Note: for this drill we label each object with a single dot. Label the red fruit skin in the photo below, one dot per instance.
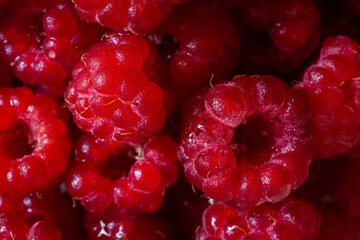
(283, 220)
(293, 29)
(331, 86)
(33, 141)
(209, 45)
(130, 178)
(111, 96)
(139, 17)
(247, 141)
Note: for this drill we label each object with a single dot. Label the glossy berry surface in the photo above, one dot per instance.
(332, 86)
(127, 177)
(33, 141)
(138, 16)
(247, 141)
(111, 96)
(294, 219)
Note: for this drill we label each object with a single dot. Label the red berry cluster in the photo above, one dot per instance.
(209, 43)
(292, 27)
(120, 176)
(110, 94)
(332, 86)
(293, 219)
(100, 99)
(138, 16)
(247, 140)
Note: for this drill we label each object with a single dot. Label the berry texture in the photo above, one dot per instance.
(124, 177)
(293, 219)
(286, 32)
(33, 141)
(140, 17)
(247, 141)
(110, 94)
(332, 86)
(115, 223)
(67, 39)
(209, 43)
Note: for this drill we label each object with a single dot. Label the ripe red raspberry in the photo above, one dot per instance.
(39, 206)
(293, 28)
(115, 223)
(247, 141)
(139, 17)
(209, 43)
(124, 177)
(111, 96)
(14, 226)
(292, 219)
(33, 141)
(67, 38)
(333, 88)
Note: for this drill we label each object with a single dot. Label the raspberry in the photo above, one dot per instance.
(247, 141)
(209, 43)
(115, 223)
(33, 143)
(293, 28)
(292, 219)
(140, 17)
(44, 231)
(111, 96)
(67, 38)
(39, 207)
(14, 226)
(114, 176)
(331, 85)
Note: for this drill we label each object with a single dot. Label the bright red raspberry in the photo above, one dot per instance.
(247, 141)
(110, 94)
(333, 88)
(127, 177)
(140, 17)
(292, 219)
(209, 43)
(67, 39)
(43, 230)
(33, 141)
(13, 226)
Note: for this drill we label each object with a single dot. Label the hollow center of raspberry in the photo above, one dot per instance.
(253, 142)
(119, 164)
(16, 142)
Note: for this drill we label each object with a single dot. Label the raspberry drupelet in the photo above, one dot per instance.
(50, 62)
(332, 84)
(33, 141)
(247, 141)
(127, 177)
(138, 16)
(14, 226)
(291, 219)
(209, 43)
(288, 31)
(116, 223)
(110, 94)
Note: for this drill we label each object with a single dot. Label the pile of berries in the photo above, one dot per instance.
(179, 120)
